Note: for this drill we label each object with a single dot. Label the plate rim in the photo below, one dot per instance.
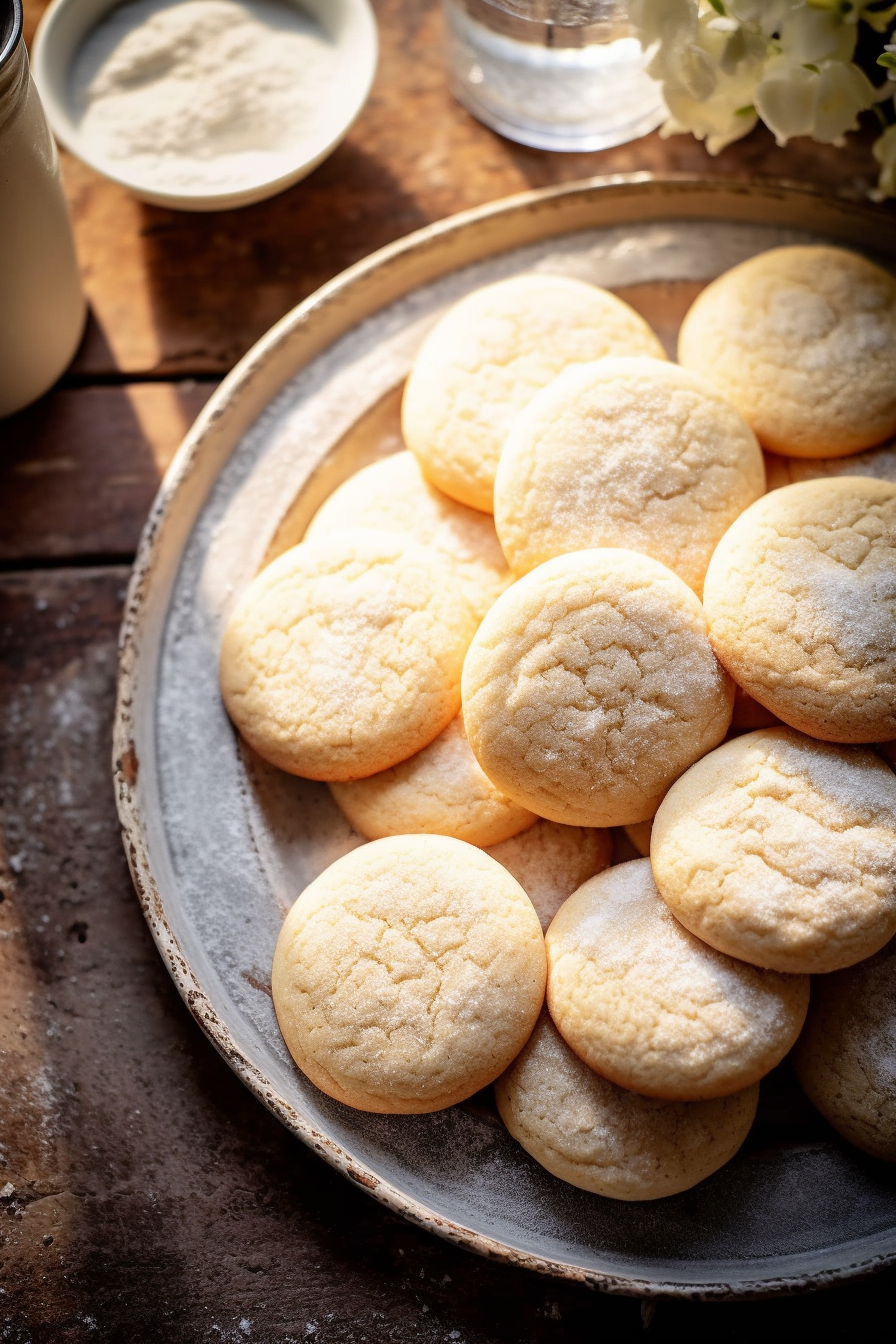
(304, 332)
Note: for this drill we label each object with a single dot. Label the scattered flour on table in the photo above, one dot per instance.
(211, 95)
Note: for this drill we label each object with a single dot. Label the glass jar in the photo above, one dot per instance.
(555, 74)
(42, 308)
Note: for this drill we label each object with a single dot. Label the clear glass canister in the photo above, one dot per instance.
(42, 308)
(555, 74)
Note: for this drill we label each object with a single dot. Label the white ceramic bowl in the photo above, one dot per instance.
(66, 24)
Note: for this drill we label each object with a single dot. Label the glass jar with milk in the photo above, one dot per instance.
(42, 308)
(555, 74)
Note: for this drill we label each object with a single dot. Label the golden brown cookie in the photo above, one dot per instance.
(392, 495)
(846, 1056)
(489, 355)
(631, 452)
(440, 791)
(343, 657)
(591, 685)
(654, 1009)
(550, 861)
(802, 340)
(409, 974)
(781, 850)
(602, 1138)
(800, 598)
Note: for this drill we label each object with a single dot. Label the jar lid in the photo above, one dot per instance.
(10, 28)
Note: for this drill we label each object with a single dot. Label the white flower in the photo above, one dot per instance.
(794, 100)
(843, 92)
(811, 36)
(663, 20)
(884, 151)
(785, 99)
(766, 16)
(725, 63)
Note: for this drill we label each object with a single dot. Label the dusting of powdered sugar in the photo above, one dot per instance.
(206, 95)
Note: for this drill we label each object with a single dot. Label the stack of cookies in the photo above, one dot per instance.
(573, 606)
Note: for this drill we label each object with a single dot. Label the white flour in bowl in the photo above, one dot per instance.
(205, 95)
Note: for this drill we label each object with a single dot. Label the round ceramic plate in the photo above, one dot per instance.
(220, 845)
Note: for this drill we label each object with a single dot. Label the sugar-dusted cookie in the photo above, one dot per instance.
(800, 597)
(409, 974)
(802, 340)
(489, 355)
(343, 657)
(630, 452)
(603, 1138)
(651, 1007)
(550, 861)
(781, 850)
(846, 1056)
(879, 463)
(440, 791)
(392, 495)
(591, 685)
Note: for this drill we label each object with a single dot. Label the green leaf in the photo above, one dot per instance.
(888, 60)
(718, 7)
(748, 111)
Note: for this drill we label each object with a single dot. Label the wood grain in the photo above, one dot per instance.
(80, 468)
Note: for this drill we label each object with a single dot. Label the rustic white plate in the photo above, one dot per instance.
(220, 845)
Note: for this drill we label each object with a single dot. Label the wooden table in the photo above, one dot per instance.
(145, 1195)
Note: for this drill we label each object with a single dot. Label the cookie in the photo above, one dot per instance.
(800, 597)
(440, 791)
(550, 861)
(626, 452)
(879, 463)
(392, 495)
(846, 1056)
(781, 850)
(802, 340)
(409, 974)
(489, 355)
(613, 1142)
(649, 1006)
(591, 685)
(343, 657)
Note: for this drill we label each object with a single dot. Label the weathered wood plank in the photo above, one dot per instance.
(79, 469)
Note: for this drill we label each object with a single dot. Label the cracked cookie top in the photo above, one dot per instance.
(393, 496)
(488, 356)
(651, 1007)
(609, 1140)
(633, 452)
(800, 597)
(802, 340)
(344, 656)
(781, 850)
(442, 790)
(409, 974)
(550, 861)
(591, 685)
(846, 1056)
